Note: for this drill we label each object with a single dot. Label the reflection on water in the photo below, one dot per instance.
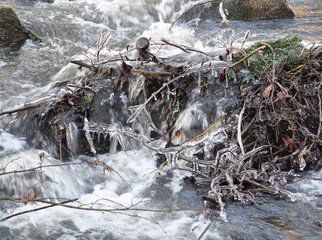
(308, 19)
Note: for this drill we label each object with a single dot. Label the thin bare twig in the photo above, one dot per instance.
(204, 231)
(320, 114)
(21, 109)
(246, 57)
(181, 47)
(104, 36)
(38, 209)
(174, 45)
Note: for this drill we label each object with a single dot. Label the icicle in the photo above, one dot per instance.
(88, 136)
(72, 137)
(113, 144)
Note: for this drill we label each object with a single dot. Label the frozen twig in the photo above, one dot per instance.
(141, 107)
(138, 72)
(101, 43)
(204, 231)
(239, 130)
(245, 38)
(269, 189)
(88, 136)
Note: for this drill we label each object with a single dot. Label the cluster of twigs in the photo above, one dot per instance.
(277, 130)
(277, 133)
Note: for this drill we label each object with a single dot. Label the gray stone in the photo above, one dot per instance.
(257, 9)
(246, 10)
(11, 28)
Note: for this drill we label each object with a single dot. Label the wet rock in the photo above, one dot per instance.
(257, 9)
(11, 29)
(246, 10)
(108, 107)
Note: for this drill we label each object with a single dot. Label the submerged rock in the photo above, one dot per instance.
(11, 28)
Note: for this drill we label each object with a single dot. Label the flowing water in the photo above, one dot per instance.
(68, 29)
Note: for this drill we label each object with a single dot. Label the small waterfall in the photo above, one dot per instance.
(28, 169)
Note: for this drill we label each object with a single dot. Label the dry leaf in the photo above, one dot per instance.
(29, 197)
(267, 90)
(287, 142)
(107, 168)
(178, 133)
(24, 200)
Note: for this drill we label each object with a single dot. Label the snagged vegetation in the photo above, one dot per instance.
(271, 129)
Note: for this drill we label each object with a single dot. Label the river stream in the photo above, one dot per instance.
(176, 211)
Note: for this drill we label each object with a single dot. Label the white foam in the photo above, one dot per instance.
(10, 142)
(137, 169)
(2, 64)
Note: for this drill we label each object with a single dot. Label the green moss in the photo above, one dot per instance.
(89, 96)
(285, 52)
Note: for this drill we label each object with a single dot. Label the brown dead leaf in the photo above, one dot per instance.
(178, 133)
(107, 168)
(29, 197)
(287, 142)
(267, 90)
(24, 200)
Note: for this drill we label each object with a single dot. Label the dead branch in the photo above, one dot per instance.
(204, 231)
(269, 188)
(181, 47)
(38, 209)
(138, 72)
(246, 57)
(320, 114)
(174, 45)
(25, 108)
(82, 64)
